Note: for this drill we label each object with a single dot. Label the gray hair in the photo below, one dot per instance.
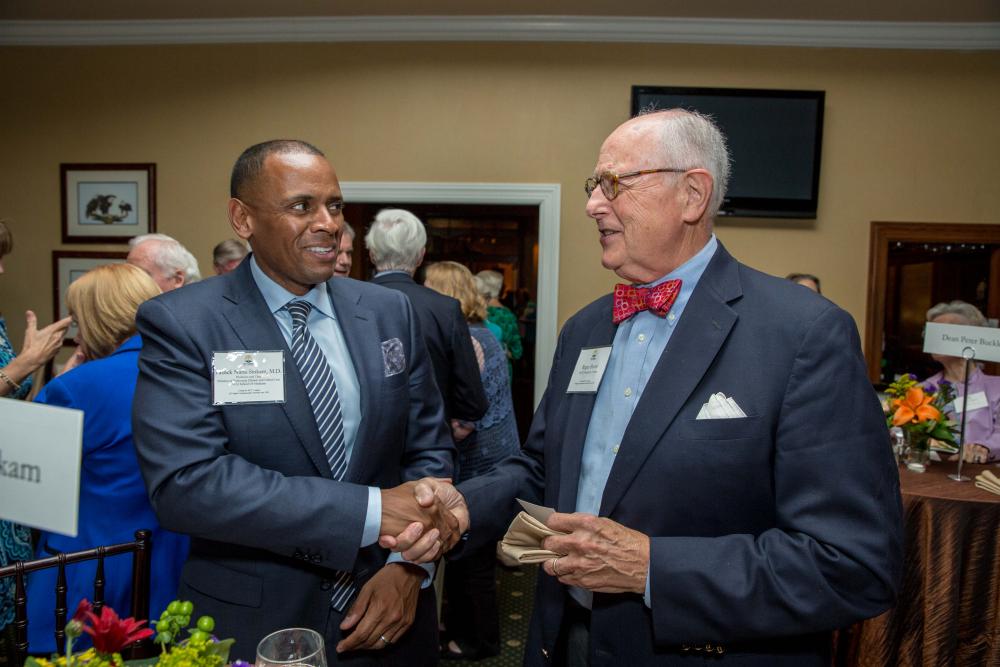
(396, 240)
(348, 229)
(692, 140)
(170, 255)
(228, 250)
(972, 315)
(489, 283)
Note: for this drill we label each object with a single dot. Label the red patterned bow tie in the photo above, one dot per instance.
(630, 299)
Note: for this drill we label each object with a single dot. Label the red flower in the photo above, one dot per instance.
(82, 610)
(111, 634)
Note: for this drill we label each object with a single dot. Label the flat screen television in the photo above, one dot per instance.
(774, 137)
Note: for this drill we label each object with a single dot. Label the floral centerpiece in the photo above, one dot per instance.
(919, 411)
(112, 634)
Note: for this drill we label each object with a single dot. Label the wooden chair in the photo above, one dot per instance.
(141, 551)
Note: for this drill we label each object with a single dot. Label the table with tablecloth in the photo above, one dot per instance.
(948, 610)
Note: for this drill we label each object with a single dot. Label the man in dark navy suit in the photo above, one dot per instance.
(708, 437)
(396, 242)
(280, 420)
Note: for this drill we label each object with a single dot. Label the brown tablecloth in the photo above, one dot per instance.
(948, 611)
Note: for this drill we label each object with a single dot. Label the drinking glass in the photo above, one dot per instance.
(292, 647)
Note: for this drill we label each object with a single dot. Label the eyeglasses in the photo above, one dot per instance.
(609, 181)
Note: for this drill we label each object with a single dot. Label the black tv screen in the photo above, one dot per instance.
(774, 139)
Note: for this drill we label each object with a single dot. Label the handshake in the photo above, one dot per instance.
(423, 519)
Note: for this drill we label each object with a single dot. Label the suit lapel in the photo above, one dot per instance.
(700, 334)
(601, 334)
(360, 333)
(254, 325)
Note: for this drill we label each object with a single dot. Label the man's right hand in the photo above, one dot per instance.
(411, 512)
(417, 546)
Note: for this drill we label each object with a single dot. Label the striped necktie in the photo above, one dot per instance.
(322, 390)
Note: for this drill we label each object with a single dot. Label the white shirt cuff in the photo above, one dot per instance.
(373, 517)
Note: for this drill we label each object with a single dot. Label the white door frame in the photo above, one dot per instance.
(546, 196)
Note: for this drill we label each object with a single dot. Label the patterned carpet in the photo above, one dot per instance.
(515, 593)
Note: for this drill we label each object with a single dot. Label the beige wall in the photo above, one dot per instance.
(909, 136)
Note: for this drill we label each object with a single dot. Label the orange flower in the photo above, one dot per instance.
(915, 408)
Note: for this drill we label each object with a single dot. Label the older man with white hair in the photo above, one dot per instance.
(396, 244)
(710, 504)
(168, 263)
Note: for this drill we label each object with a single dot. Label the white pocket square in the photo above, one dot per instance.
(720, 406)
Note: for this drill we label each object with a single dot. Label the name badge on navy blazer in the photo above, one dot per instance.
(248, 376)
(589, 370)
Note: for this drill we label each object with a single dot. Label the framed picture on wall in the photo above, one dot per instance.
(107, 203)
(67, 266)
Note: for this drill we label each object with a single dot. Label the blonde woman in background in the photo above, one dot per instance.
(471, 614)
(113, 500)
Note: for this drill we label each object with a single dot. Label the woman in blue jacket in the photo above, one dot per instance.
(113, 500)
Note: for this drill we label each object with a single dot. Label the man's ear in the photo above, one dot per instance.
(698, 188)
(239, 219)
(177, 279)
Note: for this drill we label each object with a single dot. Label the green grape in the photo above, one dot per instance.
(174, 608)
(187, 608)
(206, 623)
(199, 636)
(164, 637)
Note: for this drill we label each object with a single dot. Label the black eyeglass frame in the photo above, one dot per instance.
(611, 180)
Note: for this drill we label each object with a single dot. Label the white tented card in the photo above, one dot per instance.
(40, 455)
(959, 340)
(976, 401)
(248, 376)
(589, 370)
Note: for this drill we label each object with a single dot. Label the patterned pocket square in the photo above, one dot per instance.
(393, 357)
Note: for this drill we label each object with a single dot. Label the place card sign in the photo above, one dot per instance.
(959, 340)
(40, 457)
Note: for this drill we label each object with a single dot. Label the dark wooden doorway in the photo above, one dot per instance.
(913, 266)
(500, 237)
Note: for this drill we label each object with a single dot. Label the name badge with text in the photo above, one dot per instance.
(248, 376)
(589, 370)
(976, 401)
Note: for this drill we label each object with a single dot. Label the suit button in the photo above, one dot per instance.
(326, 585)
(298, 554)
(316, 558)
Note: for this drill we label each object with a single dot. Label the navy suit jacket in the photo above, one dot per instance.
(449, 344)
(250, 483)
(766, 532)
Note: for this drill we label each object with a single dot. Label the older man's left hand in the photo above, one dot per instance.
(601, 555)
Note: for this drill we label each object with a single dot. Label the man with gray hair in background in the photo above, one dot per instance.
(167, 262)
(345, 253)
(227, 255)
(396, 244)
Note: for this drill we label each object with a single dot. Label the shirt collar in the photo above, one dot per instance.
(277, 297)
(690, 271)
(394, 271)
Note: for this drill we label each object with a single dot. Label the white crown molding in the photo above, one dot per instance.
(657, 30)
(546, 196)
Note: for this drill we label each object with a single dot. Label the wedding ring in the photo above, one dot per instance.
(384, 640)
(554, 570)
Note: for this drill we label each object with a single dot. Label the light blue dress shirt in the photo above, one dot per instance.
(326, 331)
(637, 346)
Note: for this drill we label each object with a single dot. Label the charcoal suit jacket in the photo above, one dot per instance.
(251, 484)
(449, 344)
